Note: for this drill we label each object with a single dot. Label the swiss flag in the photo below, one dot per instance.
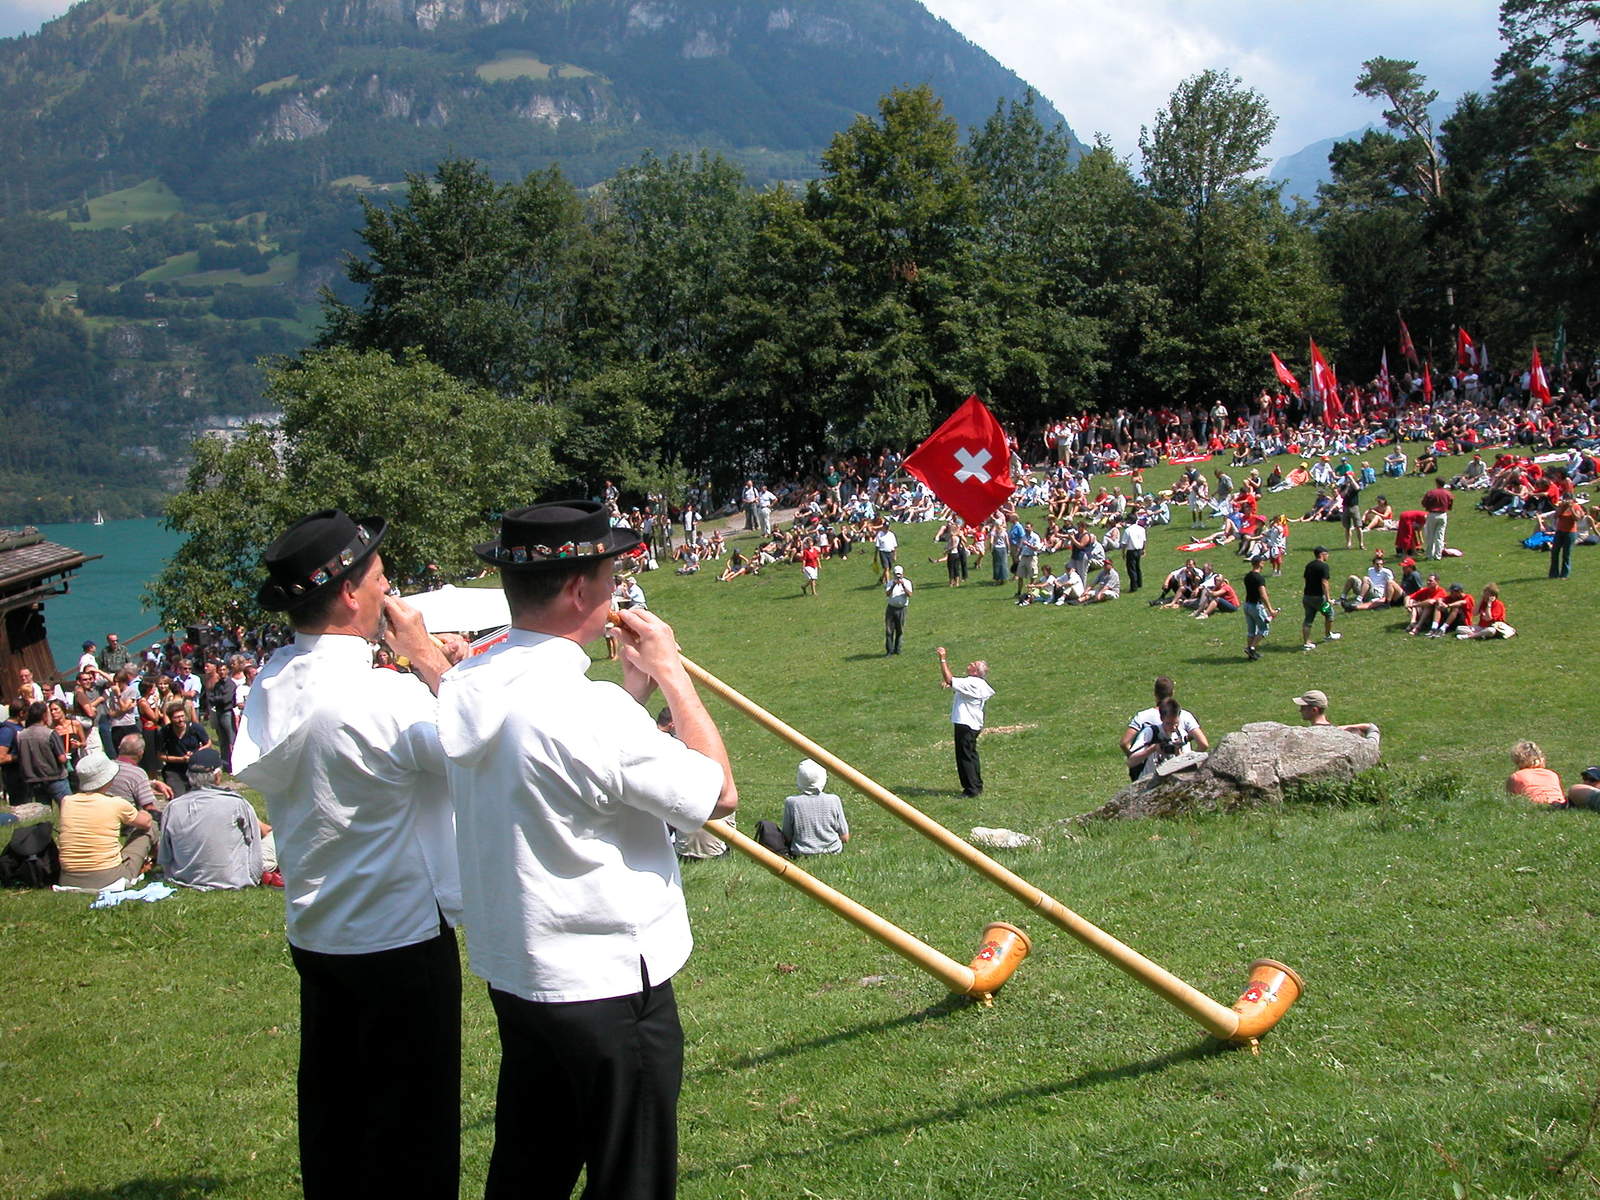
(1323, 381)
(1285, 376)
(1537, 383)
(1427, 382)
(1407, 346)
(966, 463)
(1466, 354)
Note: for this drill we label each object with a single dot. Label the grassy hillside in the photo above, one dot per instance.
(1448, 1043)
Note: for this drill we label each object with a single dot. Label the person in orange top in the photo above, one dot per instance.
(1532, 778)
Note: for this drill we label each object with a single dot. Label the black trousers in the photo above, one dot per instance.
(1134, 559)
(967, 769)
(592, 1084)
(380, 1072)
(894, 624)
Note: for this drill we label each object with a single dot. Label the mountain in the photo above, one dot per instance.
(179, 178)
(1302, 172)
(233, 101)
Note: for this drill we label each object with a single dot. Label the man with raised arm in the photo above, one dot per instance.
(564, 789)
(349, 762)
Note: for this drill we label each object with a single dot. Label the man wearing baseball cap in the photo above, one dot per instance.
(564, 788)
(349, 762)
(1317, 598)
(1313, 706)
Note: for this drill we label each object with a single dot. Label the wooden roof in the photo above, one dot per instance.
(27, 560)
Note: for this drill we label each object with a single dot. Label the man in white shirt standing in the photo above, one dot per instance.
(348, 759)
(885, 544)
(972, 692)
(1133, 543)
(564, 788)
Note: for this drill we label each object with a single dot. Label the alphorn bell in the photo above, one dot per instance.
(1004, 946)
(1272, 987)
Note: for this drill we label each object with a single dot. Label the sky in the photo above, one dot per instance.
(1108, 65)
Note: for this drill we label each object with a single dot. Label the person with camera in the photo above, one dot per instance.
(1168, 738)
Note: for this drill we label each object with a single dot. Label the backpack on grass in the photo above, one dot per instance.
(31, 860)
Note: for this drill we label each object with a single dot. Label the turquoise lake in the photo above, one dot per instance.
(104, 595)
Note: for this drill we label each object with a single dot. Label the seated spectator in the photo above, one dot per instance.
(1452, 612)
(1423, 605)
(738, 565)
(93, 856)
(132, 784)
(1107, 585)
(1587, 793)
(1532, 778)
(1379, 517)
(814, 821)
(1394, 463)
(1491, 618)
(1378, 588)
(1220, 596)
(211, 839)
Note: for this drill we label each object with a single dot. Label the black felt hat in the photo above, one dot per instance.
(316, 552)
(547, 535)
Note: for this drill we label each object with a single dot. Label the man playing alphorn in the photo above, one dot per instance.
(348, 759)
(564, 788)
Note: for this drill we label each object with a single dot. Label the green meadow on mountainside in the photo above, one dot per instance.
(1448, 1043)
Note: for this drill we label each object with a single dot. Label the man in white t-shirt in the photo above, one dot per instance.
(897, 594)
(1142, 729)
(885, 543)
(972, 692)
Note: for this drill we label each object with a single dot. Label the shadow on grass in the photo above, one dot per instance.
(865, 657)
(943, 1008)
(949, 793)
(987, 1105)
(178, 1187)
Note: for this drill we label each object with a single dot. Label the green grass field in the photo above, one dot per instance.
(1448, 1044)
(151, 200)
(184, 268)
(514, 64)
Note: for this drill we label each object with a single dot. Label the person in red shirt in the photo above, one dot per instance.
(1423, 604)
(1407, 526)
(1454, 611)
(1436, 502)
(1491, 615)
(810, 566)
(1567, 513)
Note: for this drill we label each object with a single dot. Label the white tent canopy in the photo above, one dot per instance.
(453, 609)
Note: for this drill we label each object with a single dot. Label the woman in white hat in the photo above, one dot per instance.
(93, 854)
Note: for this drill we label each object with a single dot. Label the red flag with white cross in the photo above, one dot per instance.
(1538, 383)
(966, 463)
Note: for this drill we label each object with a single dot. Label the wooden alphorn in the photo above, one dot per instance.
(1272, 987)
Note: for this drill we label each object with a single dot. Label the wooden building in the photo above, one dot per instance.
(31, 571)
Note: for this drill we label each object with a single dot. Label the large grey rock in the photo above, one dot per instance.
(1246, 769)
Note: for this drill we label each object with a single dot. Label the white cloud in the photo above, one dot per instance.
(1108, 65)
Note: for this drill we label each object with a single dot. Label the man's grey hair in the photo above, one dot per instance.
(203, 777)
(131, 746)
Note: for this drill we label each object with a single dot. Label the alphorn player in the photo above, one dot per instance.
(564, 788)
(349, 762)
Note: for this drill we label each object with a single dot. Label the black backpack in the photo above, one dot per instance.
(770, 836)
(31, 860)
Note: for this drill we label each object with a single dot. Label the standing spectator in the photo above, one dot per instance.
(1567, 515)
(27, 688)
(764, 502)
(1436, 502)
(114, 657)
(1317, 598)
(1133, 543)
(747, 501)
(1028, 548)
(10, 766)
(972, 692)
(1349, 493)
(348, 760)
(813, 820)
(221, 701)
(42, 757)
(1258, 612)
(885, 543)
(122, 703)
(898, 595)
(810, 567)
